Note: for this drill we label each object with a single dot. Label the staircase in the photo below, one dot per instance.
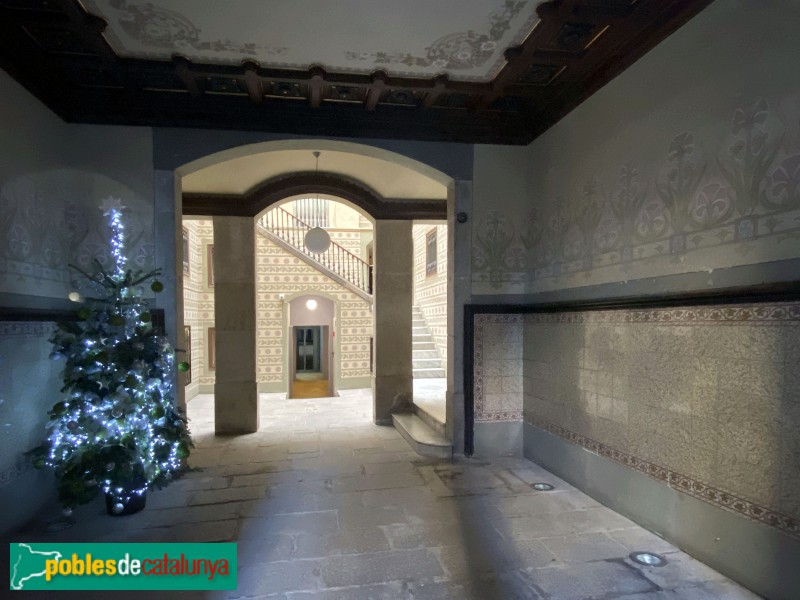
(425, 357)
(338, 263)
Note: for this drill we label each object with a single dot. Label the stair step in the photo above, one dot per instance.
(424, 354)
(422, 438)
(423, 346)
(428, 373)
(426, 363)
(430, 420)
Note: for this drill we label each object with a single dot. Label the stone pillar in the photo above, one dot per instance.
(167, 225)
(459, 289)
(392, 384)
(235, 389)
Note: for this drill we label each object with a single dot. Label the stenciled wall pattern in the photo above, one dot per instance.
(723, 196)
(198, 304)
(430, 291)
(53, 219)
(277, 272)
(706, 399)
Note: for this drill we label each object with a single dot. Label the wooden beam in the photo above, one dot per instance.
(184, 72)
(315, 82)
(376, 89)
(255, 90)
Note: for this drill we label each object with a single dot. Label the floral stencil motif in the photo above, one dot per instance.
(532, 236)
(627, 198)
(784, 194)
(493, 250)
(750, 156)
(711, 206)
(684, 172)
(161, 28)
(587, 213)
(455, 51)
(558, 226)
(652, 222)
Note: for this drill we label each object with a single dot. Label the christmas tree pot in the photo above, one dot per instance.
(131, 500)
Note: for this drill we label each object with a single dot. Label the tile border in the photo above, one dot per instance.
(481, 412)
(682, 483)
(694, 315)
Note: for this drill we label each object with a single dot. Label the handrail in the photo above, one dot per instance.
(336, 258)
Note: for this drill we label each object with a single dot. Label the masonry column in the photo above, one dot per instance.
(392, 384)
(235, 390)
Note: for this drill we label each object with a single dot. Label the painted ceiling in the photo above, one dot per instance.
(464, 39)
(474, 71)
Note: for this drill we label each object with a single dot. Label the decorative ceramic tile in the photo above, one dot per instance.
(498, 365)
(702, 397)
(687, 485)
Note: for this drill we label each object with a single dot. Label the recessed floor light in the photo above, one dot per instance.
(648, 559)
(542, 487)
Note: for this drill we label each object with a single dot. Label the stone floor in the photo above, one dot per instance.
(325, 505)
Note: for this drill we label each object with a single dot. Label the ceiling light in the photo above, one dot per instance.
(317, 239)
(648, 559)
(542, 487)
(311, 304)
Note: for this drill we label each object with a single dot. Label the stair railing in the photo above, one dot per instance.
(337, 259)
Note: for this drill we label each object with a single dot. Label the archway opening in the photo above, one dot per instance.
(391, 245)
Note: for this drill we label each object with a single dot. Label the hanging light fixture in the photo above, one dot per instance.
(317, 239)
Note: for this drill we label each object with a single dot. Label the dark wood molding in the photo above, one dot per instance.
(261, 197)
(57, 50)
(771, 292)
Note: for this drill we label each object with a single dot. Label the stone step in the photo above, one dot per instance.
(428, 345)
(428, 373)
(418, 354)
(429, 419)
(426, 363)
(422, 438)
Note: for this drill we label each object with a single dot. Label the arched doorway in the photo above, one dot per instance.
(386, 209)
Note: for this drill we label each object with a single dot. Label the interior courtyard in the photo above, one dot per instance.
(486, 300)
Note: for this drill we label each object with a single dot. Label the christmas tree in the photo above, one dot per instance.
(117, 428)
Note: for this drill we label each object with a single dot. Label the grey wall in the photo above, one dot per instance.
(53, 177)
(688, 162)
(681, 174)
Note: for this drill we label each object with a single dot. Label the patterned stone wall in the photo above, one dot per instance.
(498, 367)
(350, 240)
(430, 291)
(198, 304)
(705, 399)
(278, 272)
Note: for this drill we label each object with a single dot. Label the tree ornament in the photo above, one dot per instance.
(118, 508)
(157, 286)
(67, 512)
(183, 366)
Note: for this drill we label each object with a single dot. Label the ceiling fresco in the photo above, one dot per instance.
(475, 71)
(464, 39)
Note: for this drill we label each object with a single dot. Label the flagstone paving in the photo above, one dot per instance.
(325, 505)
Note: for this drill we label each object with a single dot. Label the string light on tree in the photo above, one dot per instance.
(117, 428)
